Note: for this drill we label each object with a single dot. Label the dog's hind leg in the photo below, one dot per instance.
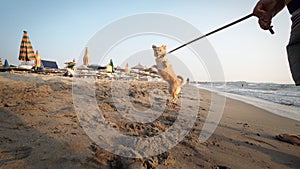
(175, 94)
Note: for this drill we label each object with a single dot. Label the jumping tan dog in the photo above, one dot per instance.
(166, 71)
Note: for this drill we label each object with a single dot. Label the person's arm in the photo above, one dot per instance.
(265, 10)
(287, 1)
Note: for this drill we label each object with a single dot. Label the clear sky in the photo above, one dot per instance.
(60, 30)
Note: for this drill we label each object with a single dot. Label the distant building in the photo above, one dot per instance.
(49, 64)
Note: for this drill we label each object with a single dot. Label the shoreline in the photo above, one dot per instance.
(39, 127)
(286, 111)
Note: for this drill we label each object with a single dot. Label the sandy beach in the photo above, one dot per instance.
(39, 129)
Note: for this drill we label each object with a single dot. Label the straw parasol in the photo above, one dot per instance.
(26, 49)
(127, 68)
(139, 67)
(37, 61)
(86, 58)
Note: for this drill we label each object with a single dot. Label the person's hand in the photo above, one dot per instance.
(265, 10)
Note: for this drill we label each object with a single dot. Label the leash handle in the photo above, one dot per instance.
(271, 30)
(217, 30)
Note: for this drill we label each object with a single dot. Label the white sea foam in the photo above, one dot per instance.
(280, 99)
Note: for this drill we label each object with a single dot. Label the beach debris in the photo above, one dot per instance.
(289, 138)
(221, 167)
(10, 104)
(245, 124)
(247, 142)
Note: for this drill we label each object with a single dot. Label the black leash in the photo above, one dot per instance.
(217, 30)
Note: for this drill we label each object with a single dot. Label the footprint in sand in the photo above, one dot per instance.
(15, 154)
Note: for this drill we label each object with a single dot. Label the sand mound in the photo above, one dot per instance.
(39, 127)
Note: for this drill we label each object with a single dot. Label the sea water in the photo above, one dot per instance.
(280, 99)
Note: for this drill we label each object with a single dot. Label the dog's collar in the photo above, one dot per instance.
(162, 56)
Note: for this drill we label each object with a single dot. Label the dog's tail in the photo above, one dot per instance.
(181, 80)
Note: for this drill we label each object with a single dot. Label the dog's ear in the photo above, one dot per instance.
(164, 47)
(154, 47)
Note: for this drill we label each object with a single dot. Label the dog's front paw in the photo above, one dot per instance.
(174, 100)
(173, 105)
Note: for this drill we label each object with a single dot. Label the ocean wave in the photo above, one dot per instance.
(281, 99)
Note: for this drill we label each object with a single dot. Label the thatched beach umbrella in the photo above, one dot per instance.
(86, 58)
(127, 68)
(37, 61)
(139, 67)
(26, 49)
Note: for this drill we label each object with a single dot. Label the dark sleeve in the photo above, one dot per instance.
(293, 6)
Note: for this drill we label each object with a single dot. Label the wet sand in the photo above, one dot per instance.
(39, 128)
